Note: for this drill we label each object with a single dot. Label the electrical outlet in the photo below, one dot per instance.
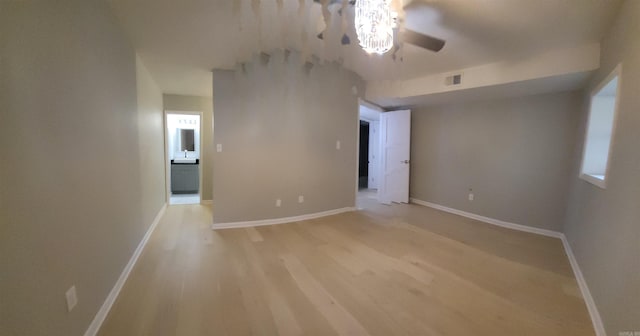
(219, 148)
(278, 203)
(300, 199)
(471, 196)
(338, 145)
(72, 298)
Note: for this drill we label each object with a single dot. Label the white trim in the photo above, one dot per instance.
(95, 325)
(602, 183)
(519, 227)
(616, 72)
(283, 220)
(206, 202)
(370, 105)
(167, 161)
(598, 326)
(599, 182)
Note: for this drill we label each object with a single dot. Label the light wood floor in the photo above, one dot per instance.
(386, 270)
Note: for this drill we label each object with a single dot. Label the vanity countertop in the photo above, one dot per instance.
(188, 161)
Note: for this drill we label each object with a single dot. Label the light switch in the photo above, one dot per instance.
(219, 148)
(338, 145)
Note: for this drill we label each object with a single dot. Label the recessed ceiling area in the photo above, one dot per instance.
(181, 42)
(560, 83)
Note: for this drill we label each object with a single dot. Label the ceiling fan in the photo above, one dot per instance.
(406, 35)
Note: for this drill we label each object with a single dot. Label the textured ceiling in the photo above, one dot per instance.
(181, 41)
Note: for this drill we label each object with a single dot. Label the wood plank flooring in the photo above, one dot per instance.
(386, 270)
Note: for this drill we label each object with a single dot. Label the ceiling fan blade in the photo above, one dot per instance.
(345, 40)
(421, 40)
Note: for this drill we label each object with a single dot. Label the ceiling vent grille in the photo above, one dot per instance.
(453, 80)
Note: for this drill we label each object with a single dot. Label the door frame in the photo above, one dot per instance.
(167, 167)
(362, 102)
(374, 125)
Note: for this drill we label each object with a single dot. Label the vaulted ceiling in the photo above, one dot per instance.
(182, 41)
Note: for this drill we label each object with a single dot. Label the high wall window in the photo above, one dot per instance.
(602, 117)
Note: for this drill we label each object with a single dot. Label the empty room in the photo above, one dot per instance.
(319, 167)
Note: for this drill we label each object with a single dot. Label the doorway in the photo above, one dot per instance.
(363, 166)
(183, 156)
(368, 154)
(383, 155)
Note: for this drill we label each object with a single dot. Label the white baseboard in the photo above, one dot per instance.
(519, 227)
(283, 220)
(206, 202)
(95, 325)
(598, 326)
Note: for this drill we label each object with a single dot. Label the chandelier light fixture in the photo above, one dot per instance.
(374, 21)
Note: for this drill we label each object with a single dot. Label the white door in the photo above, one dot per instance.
(395, 131)
(374, 146)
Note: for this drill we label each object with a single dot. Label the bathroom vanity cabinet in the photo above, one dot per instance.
(185, 178)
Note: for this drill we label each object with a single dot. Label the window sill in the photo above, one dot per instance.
(595, 179)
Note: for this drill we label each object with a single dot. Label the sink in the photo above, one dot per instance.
(187, 160)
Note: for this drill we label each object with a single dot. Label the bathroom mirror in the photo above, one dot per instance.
(187, 142)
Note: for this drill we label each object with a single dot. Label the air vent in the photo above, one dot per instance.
(453, 80)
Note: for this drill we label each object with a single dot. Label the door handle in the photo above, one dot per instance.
(405, 161)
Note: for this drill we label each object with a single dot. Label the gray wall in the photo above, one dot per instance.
(515, 154)
(278, 125)
(603, 226)
(150, 143)
(74, 201)
(174, 102)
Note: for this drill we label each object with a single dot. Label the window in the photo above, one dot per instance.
(600, 128)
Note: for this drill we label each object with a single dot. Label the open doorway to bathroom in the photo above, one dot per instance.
(183, 156)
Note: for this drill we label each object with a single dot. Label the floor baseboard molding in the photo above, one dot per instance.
(598, 326)
(95, 325)
(206, 202)
(283, 220)
(508, 225)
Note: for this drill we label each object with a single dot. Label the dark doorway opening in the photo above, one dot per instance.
(363, 166)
